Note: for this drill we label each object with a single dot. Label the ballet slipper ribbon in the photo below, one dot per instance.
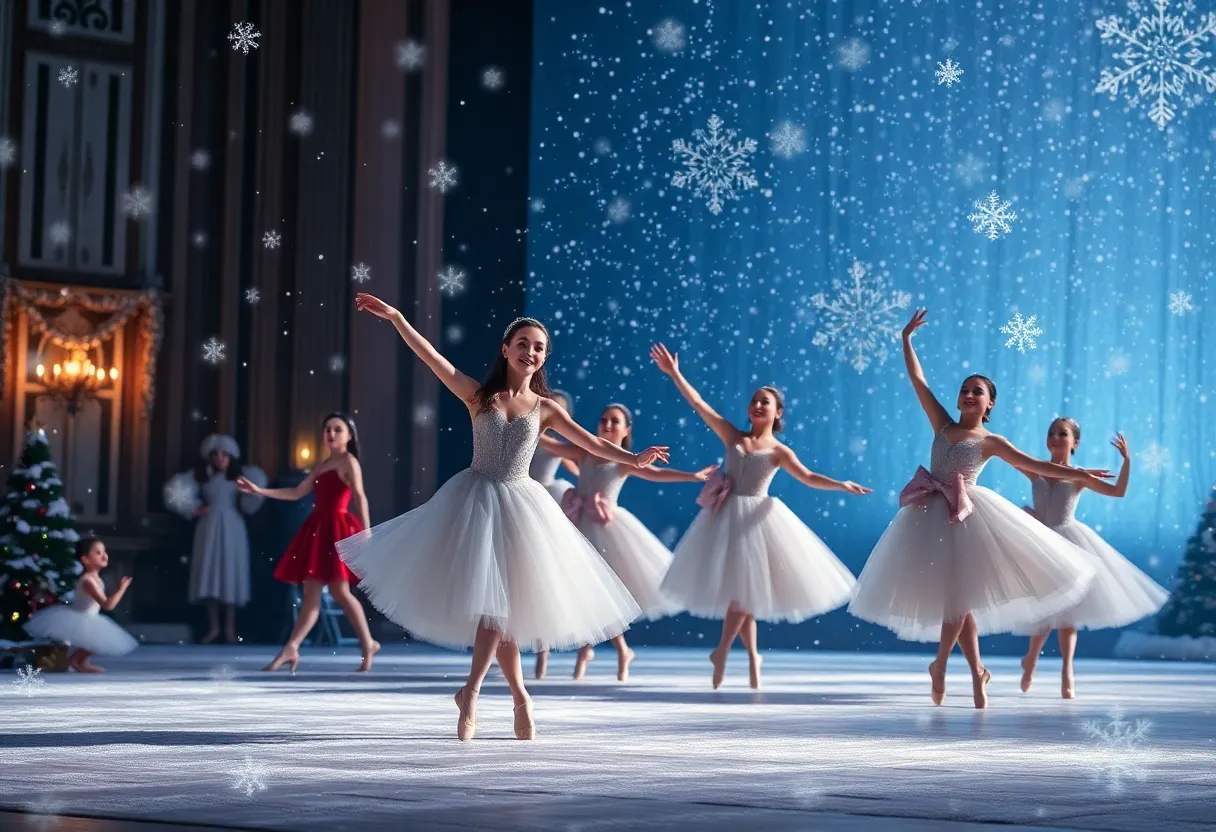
(574, 504)
(924, 485)
(717, 489)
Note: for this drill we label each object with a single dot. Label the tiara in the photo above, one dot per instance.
(513, 323)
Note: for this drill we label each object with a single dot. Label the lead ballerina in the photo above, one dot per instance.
(490, 561)
(960, 561)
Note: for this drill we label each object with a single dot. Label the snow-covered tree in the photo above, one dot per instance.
(1191, 610)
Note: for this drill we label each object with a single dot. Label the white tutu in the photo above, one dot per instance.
(80, 630)
(558, 488)
(491, 547)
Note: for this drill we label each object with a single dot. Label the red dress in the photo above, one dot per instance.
(311, 553)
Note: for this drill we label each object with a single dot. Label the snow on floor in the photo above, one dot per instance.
(834, 741)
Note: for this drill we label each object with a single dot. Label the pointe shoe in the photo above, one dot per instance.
(937, 684)
(585, 656)
(289, 655)
(1066, 691)
(622, 665)
(753, 670)
(466, 724)
(368, 655)
(979, 688)
(719, 663)
(1027, 674)
(525, 728)
(542, 664)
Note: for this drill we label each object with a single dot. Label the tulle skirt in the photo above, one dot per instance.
(756, 555)
(81, 630)
(1000, 564)
(637, 557)
(500, 554)
(1119, 595)
(558, 488)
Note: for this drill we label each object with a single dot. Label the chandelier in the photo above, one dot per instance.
(76, 380)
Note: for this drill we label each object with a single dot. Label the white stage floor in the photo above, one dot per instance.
(834, 741)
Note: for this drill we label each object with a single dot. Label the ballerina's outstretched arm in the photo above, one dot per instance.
(1119, 488)
(462, 386)
(563, 451)
(669, 364)
(1002, 448)
(556, 419)
(938, 417)
(792, 465)
(294, 493)
(649, 472)
(96, 590)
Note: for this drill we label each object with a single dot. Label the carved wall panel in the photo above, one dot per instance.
(106, 20)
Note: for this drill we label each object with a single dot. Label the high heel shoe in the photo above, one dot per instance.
(525, 728)
(979, 685)
(289, 655)
(466, 724)
(719, 663)
(368, 655)
(937, 683)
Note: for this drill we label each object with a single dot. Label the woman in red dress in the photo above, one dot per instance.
(311, 558)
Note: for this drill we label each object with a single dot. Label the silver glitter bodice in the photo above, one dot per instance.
(1055, 501)
(83, 601)
(963, 457)
(502, 449)
(750, 474)
(544, 466)
(597, 475)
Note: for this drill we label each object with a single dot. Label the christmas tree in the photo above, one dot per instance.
(38, 565)
(1191, 610)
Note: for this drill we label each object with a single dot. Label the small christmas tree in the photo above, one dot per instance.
(1191, 610)
(38, 565)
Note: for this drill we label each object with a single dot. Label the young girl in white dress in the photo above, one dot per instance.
(544, 469)
(490, 562)
(1120, 593)
(78, 624)
(637, 557)
(747, 556)
(960, 561)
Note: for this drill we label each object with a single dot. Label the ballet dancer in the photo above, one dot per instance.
(545, 465)
(960, 561)
(1120, 593)
(311, 558)
(637, 557)
(747, 556)
(78, 623)
(490, 562)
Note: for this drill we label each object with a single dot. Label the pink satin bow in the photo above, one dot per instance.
(574, 504)
(717, 489)
(924, 485)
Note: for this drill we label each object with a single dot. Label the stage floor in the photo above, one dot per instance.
(197, 735)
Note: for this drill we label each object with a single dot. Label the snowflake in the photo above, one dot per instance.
(1118, 364)
(337, 363)
(853, 54)
(860, 321)
(29, 680)
(243, 37)
(250, 778)
(619, 210)
(137, 202)
(451, 280)
(949, 73)
(301, 123)
(68, 76)
(213, 350)
(1022, 332)
(200, 159)
(423, 414)
(1119, 748)
(252, 295)
(669, 36)
(493, 78)
(390, 128)
(361, 273)
(537, 205)
(199, 239)
(411, 55)
(716, 165)
(788, 140)
(1160, 56)
(1155, 457)
(60, 233)
(8, 152)
(454, 333)
(1180, 302)
(970, 170)
(272, 239)
(603, 146)
(992, 217)
(443, 176)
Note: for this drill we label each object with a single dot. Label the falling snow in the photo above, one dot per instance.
(1022, 332)
(243, 37)
(493, 79)
(860, 322)
(200, 159)
(301, 123)
(410, 55)
(213, 350)
(715, 165)
(619, 210)
(249, 778)
(1155, 458)
(137, 202)
(68, 76)
(8, 152)
(443, 176)
(669, 36)
(788, 140)
(181, 494)
(60, 233)
(360, 273)
(853, 54)
(451, 280)
(1180, 302)
(252, 295)
(337, 363)
(949, 73)
(272, 239)
(992, 217)
(29, 680)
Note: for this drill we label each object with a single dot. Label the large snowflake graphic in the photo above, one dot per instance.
(1118, 750)
(1180, 302)
(859, 322)
(249, 778)
(443, 176)
(29, 680)
(8, 152)
(272, 239)
(788, 139)
(1160, 56)
(1155, 458)
(244, 37)
(137, 202)
(360, 273)
(213, 350)
(68, 76)
(949, 73)
(992, 217)
(669, 36)
(451, 280)
(410, 55)
(1022, 332)
(715, 165)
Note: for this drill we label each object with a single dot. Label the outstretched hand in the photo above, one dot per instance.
(705, 473)
(653, 454)
(1121, 445)
(373, 304)
(918, 320)
(124, 582)
(1099, 472)
(854, 488)
(246, 487)
(667, 362)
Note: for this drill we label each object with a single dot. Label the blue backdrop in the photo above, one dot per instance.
(845, 139)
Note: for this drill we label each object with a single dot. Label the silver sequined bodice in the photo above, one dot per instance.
(544, 466)
(597, 475)
(963, 457)
(750, 474)
(502, 449)
(1055, 501)
(83, 601)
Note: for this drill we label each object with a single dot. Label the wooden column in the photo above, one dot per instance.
(376, 351)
